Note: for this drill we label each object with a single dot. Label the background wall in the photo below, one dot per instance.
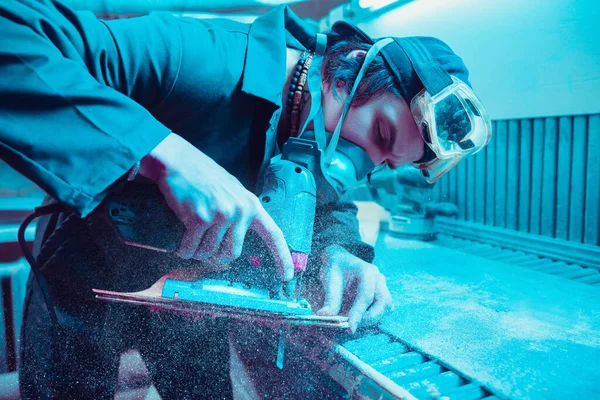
(537, 175)
(528, 58)
(536, 66)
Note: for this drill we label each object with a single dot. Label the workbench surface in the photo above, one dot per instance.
(520, 333)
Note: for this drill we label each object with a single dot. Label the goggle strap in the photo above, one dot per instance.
(430, 72)
(373, 51)
(316, 111)
(319, 125)
(321, 44)
(319, 129)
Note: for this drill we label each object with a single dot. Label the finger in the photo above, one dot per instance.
(374, 313)
(233, 242)
(334, 290)
(212, 239)
(191, 239)
(270, 233)
(364, 297)
(382, 305)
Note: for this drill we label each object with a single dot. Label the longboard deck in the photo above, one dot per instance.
(152, 297)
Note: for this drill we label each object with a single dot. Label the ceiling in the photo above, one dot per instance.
(313, 9)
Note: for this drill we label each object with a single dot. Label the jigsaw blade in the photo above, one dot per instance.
(281, 346)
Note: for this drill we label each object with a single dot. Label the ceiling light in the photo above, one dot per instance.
(375, 4)
(276, 2)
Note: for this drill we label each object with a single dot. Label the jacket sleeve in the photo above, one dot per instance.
(75, 95)
(336, 223)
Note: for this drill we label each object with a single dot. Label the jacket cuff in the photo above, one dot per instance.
(114, 167)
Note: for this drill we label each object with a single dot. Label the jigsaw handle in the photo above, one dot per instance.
(290, 197)
(142, 218)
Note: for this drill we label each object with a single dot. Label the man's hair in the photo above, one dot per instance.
(338, 68)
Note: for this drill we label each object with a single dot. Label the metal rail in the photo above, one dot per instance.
(522, 259)
(556, 249)
(380, 366)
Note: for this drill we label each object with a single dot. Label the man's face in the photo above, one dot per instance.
(383, 126)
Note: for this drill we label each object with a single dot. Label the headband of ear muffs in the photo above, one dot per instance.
(405, 62)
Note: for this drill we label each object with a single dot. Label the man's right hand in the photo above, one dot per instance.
(214, 206)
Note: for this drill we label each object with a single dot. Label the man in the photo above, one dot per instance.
(199, 104)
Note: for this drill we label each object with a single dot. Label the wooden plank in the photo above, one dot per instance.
(452, 185)
(461, 189)
(512, 174)
(443, 182)
(563, 178)
(435, 193)
(490, 168)
(501, 170)
(577, 186)
(592, 198)
(470, 188)
(536, 175)
(480, 184)
(548, 222)
(524, 175)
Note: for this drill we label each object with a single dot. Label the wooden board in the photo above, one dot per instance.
(153, 299)
(549, 174)
(578, 178)
(500, 171)
(563, 179)
(525, 175)
(592, 197)
(512, 174)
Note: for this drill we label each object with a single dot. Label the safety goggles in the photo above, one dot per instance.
(453, 124)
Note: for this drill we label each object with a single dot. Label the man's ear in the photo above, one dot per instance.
(357, 54)
(339, 86)
(353, 54)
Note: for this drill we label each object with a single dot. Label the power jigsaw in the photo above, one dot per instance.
(251, 288)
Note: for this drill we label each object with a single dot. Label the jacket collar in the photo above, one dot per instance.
(269, 35)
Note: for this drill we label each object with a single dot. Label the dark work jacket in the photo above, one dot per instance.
(82, 100)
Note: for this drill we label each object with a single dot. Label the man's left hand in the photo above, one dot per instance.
(344, 275)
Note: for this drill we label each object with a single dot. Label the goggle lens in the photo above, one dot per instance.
(453, 125)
